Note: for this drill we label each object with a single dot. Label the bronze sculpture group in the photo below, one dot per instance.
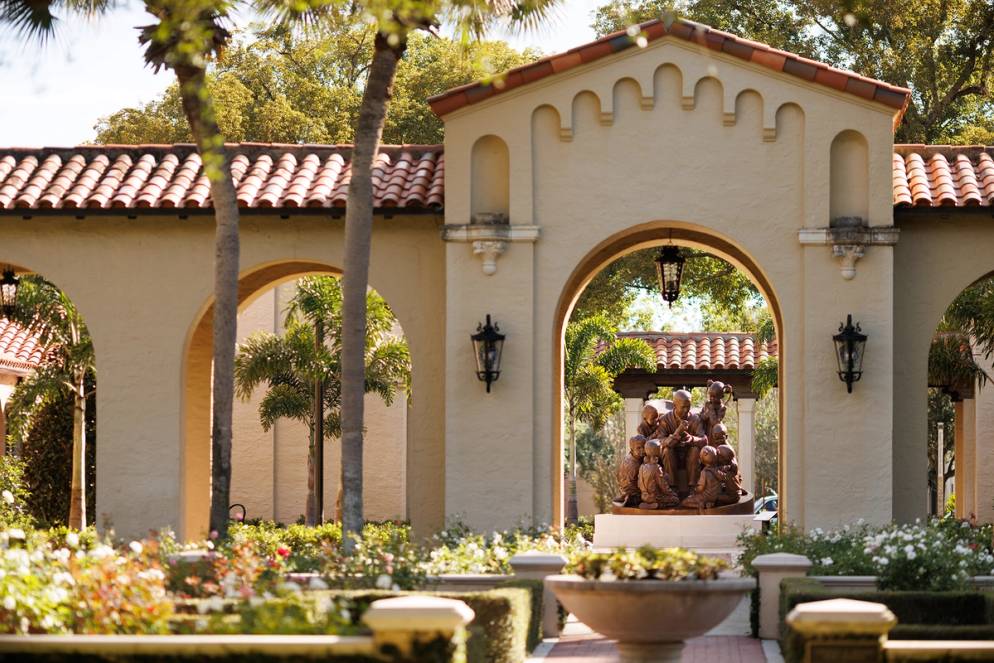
(680, 460)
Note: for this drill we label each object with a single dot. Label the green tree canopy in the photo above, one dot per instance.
(277, 86)
(728, 300)
(942, 49)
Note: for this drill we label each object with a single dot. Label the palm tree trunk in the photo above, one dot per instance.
(572, 506)
(358, 231)
(217, 165)
(77, 490)
(310, 509)
(318, 429)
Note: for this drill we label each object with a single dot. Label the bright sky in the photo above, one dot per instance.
(53, 96)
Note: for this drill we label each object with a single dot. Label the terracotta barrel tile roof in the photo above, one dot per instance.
(716, 40)
(943, 176)
(702, 351)
(19, 350)
(409, 177)
(171, 176)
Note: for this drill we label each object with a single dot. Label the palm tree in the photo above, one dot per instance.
(394, 20)
(188, 34)
(594, 357)
(39, 19)
(292, 363)
(48, 314)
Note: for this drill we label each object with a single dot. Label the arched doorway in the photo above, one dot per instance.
(48, 398)
(640, 237)
(961, 404)
(286, 479)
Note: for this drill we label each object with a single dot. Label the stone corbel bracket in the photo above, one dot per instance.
(849, 242)
(490, 237)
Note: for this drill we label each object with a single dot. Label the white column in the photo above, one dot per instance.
(633, 416)
(747, 442)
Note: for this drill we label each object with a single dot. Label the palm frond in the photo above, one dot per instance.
(187, 32)
(285, 402)
(951, 363)
(625, 353)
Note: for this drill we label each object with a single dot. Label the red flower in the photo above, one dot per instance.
(283, 552)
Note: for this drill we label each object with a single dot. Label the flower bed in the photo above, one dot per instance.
(940, 555)
(242, 585)
(51, 588)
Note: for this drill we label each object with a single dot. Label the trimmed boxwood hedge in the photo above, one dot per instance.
(535, 587)
(920, 615)
(498, 634)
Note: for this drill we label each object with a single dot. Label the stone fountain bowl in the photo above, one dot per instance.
(650, 611)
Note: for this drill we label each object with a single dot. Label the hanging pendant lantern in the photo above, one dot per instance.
(8, 292)
(669, 268)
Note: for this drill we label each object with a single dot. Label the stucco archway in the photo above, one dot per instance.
(196, 396)
(640, 237)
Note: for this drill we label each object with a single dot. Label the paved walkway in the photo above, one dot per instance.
(592, 648)
(727, 643)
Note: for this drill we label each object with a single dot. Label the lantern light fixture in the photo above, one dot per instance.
(488, 345)
(850, 343)
(8, 292)
(669, 269)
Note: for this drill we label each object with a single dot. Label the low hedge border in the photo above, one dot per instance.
(920, 615)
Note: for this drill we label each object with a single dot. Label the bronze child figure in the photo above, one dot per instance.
(650, 417)
(654, 486)
(708, 484)
(628, 473)
(713, 412)
(728, 475)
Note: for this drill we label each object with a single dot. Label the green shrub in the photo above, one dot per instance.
(13, 494)
(537, 589)
(499, 633)
(304, 542)
(921, 615)
(47, 455)
(458, 550)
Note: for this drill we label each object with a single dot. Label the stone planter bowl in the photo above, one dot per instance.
(650, 619)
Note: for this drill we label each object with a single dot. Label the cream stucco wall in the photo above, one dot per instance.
(937, 256)
(618, 154)
(269, 469)
(143, 286)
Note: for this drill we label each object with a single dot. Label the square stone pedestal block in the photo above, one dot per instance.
(702, 533)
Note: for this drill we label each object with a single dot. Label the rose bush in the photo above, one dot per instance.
(939, 555)
(50, 588)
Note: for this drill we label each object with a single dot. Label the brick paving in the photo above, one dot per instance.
(592, 648)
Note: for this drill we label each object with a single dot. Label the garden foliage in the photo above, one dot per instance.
(940, 555)
(646, 563)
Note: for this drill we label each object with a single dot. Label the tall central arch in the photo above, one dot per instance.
(656, 233)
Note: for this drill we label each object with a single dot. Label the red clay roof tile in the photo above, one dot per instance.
(166, 177)
(19, 349)
(706, 350)
(890, 95)
(943, 176)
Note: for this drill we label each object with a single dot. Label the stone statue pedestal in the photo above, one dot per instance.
(715, 534)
